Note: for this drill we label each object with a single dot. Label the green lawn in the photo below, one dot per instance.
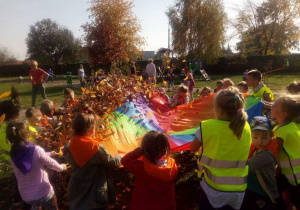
(54, 91)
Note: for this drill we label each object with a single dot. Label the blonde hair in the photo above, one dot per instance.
(35, 63)
(231, 102)
(229, 81)
(291, 105)
(182, 88)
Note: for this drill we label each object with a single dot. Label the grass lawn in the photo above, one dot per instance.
(54, 91)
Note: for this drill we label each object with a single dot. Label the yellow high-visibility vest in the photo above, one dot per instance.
(261, 91)
(224, 157)
(289, 156)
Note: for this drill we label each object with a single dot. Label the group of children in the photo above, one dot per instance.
(236, 165)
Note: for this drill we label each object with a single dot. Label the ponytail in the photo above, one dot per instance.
(231, 102)
(17, 132)
(238, 122)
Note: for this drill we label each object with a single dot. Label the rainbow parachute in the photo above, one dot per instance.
(130, 122)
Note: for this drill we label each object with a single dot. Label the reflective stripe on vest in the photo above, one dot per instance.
(291, 177)
(286, 164)
(226, 180)
(222, 163)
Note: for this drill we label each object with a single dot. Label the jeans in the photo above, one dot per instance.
(191, 96)
(170, 83)
(35, 89)
(48, 202)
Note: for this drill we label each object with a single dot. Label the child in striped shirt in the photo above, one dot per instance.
(28, 162)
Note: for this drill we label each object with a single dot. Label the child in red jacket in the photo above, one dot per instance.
(154, 172)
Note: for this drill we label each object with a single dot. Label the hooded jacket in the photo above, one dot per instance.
(154, 185)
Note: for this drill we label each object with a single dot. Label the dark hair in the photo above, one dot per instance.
(68, 91)
(47, 107)
(220, 82)
(17, 132)
(31, 112)
(293, 88)
(155, 145)
(255, 74)
(207, 88)
(243, 84)
(82, 123)
(291, 105)
(12, 107)
(231, 102)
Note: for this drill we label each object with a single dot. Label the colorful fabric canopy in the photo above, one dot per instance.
(130, 122)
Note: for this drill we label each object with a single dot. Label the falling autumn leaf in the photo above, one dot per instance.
(4, 95)
(2, 118)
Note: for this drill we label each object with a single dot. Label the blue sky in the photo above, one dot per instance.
(17, 15)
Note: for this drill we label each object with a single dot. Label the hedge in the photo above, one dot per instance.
(229, 65)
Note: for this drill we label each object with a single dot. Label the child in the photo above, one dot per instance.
(190, 83)
(262, 189)
(69, 97)
(205, 91)
(225, 144)
(170, 78)
(181, 97)
(20, 79)
(88, 188)
(182, 76)
(154, 172)
(285, 110)
(293, 88)
(47, 108)
(11, 109)
(29, 163)
(219, 86)
(259, 90)
(243, 87)
(227, 83)
(33, 117)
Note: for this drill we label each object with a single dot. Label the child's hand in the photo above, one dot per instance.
(51, 154)
(64, 167)
(267, 96)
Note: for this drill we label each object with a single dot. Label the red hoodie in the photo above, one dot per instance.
(154, 185)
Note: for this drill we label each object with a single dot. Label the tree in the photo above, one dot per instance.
(197, 28)
(268, 28)
(112, 36)
(50, 43)
(6, 56)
